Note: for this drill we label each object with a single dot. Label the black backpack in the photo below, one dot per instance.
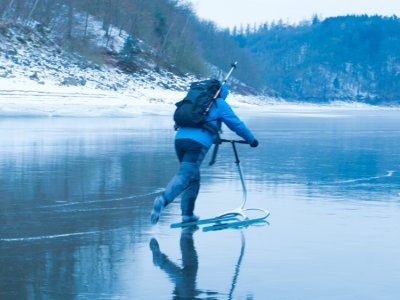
(192, 110)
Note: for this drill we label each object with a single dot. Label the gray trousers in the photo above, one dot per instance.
(187, 180)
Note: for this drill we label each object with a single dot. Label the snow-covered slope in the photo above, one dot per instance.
(30, 54)
(38, 77)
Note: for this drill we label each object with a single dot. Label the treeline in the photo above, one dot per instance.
(340, 58)
(180, 41)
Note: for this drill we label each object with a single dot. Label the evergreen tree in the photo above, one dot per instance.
(128, 50)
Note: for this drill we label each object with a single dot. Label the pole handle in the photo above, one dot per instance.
(233, 141)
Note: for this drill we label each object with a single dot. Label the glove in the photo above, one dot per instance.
(254, 143)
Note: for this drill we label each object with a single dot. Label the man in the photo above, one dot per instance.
(191, 146)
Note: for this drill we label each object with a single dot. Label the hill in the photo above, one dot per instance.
(341, 58)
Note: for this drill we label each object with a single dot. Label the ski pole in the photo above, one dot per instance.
(233, 67)
(237, 162)
(215, 151)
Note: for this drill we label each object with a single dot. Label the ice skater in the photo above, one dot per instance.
(191, 146)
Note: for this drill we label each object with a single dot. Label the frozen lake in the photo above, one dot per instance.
(75, 198)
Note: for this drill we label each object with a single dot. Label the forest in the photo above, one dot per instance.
(338, 58)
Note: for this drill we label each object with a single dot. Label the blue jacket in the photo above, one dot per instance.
(219, 112)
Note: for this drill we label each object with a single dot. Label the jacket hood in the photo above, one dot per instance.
(224, 92)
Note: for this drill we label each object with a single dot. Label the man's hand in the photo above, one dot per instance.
(254, 143)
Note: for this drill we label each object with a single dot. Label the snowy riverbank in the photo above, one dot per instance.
(28, 98)
(17, 100)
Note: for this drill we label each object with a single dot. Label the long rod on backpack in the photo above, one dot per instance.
(233, 67)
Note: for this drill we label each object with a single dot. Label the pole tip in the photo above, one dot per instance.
(234, 65)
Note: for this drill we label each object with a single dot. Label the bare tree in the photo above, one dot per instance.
(33, 9)
(70, 21)
(86, 23)
(6, 10)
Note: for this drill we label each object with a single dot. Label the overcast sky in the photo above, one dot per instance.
(227, 13)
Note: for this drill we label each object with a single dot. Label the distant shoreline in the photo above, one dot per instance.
(30, 99)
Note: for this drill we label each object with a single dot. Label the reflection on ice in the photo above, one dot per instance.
(184, 277)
